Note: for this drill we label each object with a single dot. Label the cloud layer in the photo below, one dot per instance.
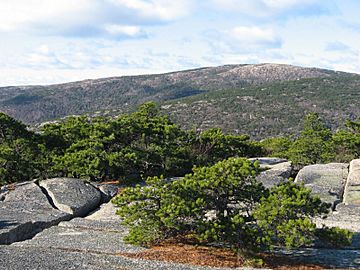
(62, 40)
(88, 18)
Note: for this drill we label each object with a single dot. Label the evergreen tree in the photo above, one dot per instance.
(223, 204)
(20, 152)
(314, 144)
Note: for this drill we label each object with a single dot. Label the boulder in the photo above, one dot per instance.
(326, 180)
(352, 188)
(276, 170)
(73, 196)
(24, 211)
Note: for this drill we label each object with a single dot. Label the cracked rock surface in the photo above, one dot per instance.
(60, 223)
(73, 196)
(24, 212)
(28, 208)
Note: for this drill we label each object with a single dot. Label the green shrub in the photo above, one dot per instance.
(284, 217)
(221, 204)
(276, 147)
(335, 237)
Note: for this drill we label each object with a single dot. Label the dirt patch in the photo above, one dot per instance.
(212, 256)
(195, 255)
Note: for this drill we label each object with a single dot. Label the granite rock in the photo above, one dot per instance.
(326, 180)
(25, 211)
(268, 161)
(275, 170)
(352, 188)
(73, 196)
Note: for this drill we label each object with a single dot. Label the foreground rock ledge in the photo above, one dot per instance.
(28, 208)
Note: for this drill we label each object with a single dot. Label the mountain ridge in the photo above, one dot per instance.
(35, 104)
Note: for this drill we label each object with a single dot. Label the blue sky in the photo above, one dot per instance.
(54, 41)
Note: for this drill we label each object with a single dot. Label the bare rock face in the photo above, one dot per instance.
(28, 208)
(276, 170)
(25, 211)
(326, 180)
(352, 188)
(73, 196)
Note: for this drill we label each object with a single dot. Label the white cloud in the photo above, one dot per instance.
(124, 30)
(336, 46)
(162, 9)
(284, 4)
(254, 35)
(88, 17)
(268, 8)
(242, 39)
(17, 14)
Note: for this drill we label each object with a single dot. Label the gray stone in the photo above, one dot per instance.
(106, 212)
(352, 188)
(326, 180)
(84, 239)
(108, 191)
(348, 210)
(24, 212)
(276, 170)
(97, 225)
(329, 258)
(73, 196)
(344, 216)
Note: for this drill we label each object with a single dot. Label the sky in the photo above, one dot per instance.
(55, 41)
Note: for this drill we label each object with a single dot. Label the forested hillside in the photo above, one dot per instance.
(34, 104)
(272, 109)
(261, 100)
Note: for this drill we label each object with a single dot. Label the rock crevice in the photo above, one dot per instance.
(28, 208)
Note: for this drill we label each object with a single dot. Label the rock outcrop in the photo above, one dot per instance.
(73, 196)
(276, 170)
(352, 188)
(326, 180)
(91, 243)
(28, 208)
(25, 211)
(58, 224)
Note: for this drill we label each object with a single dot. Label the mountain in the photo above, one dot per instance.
(273, 109)
(263, 98)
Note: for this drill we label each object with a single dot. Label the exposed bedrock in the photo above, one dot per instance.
(326, 180)
(352, 187)
(276, 170)
(28, 208)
